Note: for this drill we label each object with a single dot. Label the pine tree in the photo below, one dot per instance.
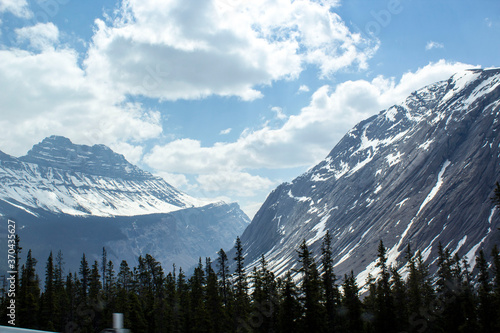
(351, 306)
(199, 318)
(241, 299)
(414, 283)
(332, 296)
(95, 300)
(109, 290)
(264, 299)
(94, 282)
(399, 301)
(223, 274)
(71, 290)
(384, 314)
(495, 256)
(427, 290)
(61, 298)
(468, 300)
(485, 313)
(314, 311)
(84, 278)
(29, 294)
(290, 309)
(213, 301)
(183, 294)
(447, 289)
(172, 302)
(138, 323)
(370, 305)
(151, 293)
(48, 299)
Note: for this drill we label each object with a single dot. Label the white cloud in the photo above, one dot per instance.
(188, 50)
(434, 45)
(47, 93)
(17, 7)
(303, 88)
(225, 131)
(40, 36)
(177, 180)
(279, 112)
(303, 140)
(233, 183)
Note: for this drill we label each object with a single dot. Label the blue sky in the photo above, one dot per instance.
(225, 98)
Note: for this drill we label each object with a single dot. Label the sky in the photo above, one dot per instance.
(225, 99)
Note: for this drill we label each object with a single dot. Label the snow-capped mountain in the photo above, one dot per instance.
(59, 176)
(418, 173)
(79, 199)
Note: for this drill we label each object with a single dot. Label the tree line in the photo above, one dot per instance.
(309, 299)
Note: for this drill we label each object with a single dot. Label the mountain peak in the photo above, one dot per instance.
(59, 176)
(59, 152)
(420, 173)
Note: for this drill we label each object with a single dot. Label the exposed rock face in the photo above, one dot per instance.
(418, 173)
(79, 199)
(62, 177)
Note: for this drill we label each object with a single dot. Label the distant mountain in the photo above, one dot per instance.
(418, 173)
(79, 198)
(62, 177)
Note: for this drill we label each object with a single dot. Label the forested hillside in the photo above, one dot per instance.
(213, 299)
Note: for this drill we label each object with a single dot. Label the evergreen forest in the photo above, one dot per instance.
(214, 299)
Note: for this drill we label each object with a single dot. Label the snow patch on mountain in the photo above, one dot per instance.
(436, 187)
(414, 174)
(61, 177)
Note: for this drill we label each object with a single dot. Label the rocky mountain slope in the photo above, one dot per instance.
(77, 199)
(59, 176)
(418, 173)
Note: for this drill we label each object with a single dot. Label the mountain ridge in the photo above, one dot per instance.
(396, 177)
(59, 152)
(79, 199)
(59, 176)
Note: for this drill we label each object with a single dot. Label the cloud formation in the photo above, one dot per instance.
(433, 45)
(303, 140)
(41, 36)
(45, 92)
(165, 50)
(18, 8)
(190, 50)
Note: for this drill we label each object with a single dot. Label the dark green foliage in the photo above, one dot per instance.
(48, 297)
(496, 287)
(213, 301)
(384, 310)
(263, 317)
(351, 307)
(290, 310)
(312, 296)
(485, 309)
(399, 302)
(332, 295)
(223, 274)
(241, 306)
(84, 278)
(29, 294)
